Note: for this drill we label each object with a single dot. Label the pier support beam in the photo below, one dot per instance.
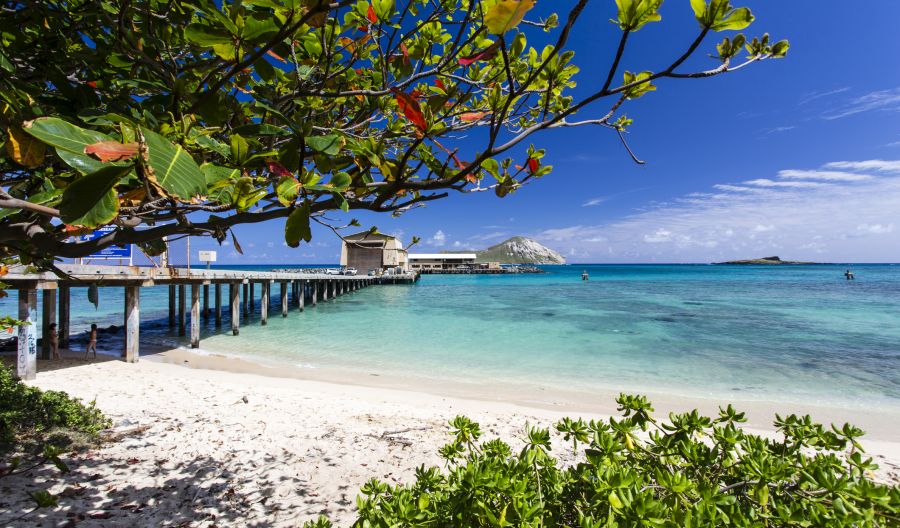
(301, 294)
(171, 305)
(263, 302)
(181, 301)
(250, 297)
(195, 315)
(132, 323)
(234, 291)
(206, 301)
(65, 311)
(246, 288)
(284, 299)
(26, 359)
(48, 317)
(218, 305)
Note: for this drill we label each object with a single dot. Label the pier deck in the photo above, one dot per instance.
(299, 289)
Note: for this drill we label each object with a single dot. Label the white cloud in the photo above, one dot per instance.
(226, 243)
(765, 182)
(876, 229)
(661, 235)
(780, 129)
(888, 100)
(726, 187)
(439, 239)
(885, 166)
(822, 175)
(844, 220)
(270, 244)
(812, 96)
(594, 201)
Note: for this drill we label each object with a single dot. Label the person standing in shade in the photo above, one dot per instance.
(92, 343)
(54, 341)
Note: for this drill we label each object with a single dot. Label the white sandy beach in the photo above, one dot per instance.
(215, 446)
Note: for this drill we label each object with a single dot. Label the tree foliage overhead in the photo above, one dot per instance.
(168, 117)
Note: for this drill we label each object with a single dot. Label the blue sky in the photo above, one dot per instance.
(797, 158)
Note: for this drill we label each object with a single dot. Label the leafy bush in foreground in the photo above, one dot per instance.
(638, 471)
(30, 412)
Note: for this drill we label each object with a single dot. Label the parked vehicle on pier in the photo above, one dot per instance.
(332, 271)
(349, 271)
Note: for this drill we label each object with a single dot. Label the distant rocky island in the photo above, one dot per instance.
(769, 261)
(518, 250)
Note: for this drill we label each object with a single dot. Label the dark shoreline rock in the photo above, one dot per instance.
(765, 261)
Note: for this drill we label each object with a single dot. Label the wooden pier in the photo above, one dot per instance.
(305, 289)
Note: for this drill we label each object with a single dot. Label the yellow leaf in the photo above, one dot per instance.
(24, 149)
(506, 15)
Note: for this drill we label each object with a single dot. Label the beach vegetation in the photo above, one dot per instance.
(169, 118)
(31, 418)
(637, 470)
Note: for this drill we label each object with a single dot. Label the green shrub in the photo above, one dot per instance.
(637, 471)
(30, 413)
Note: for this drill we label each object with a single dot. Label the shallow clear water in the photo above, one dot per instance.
(799, 334)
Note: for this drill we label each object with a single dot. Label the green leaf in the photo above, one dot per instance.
(206, 35)
(86, 201)
(216, 173)
(341, 181)
(634, 14)
(287, 189)
(780, 49)
(343, 204)
(297, 226)
(43, 498)
(641, 89)
(262, 129)
(330, 144)
(173, 169)
(240, 149)
(63, 135)
(259, 27)
(737, 20)
(506, 15)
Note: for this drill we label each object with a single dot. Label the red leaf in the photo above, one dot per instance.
(275, 56)
(107, 151)
(405, 51)
(416, 94)
(533, 165)
(440, 84)
(472, 116)
(370, 14)
(487, 53)
(411, 109)
(278, 169)
(364, 29)
(92, 84)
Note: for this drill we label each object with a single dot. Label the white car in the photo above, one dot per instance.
(349, 271)
(332, 271)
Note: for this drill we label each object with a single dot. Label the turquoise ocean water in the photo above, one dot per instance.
(799, 334)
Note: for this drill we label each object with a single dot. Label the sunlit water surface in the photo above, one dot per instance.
(788, 333)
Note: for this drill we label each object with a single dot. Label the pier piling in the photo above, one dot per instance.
(132, 323)
(195, 315)
(171, 306)
(263, 302)
(218, 305)
(206, 301)
(48, 317)
(26, 359)
(64, 315)
(181, 301)
(284, 299)
(234, 291)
